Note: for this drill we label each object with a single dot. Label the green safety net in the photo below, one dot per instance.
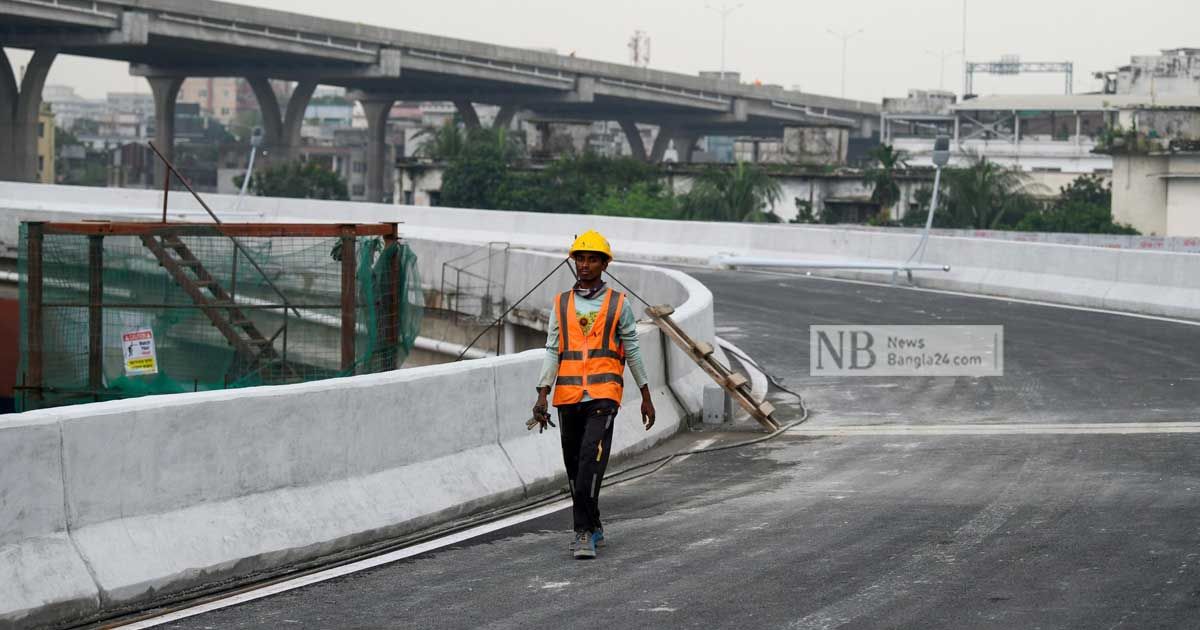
(273, 313)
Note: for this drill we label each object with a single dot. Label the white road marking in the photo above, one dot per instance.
(353, 567)
(699, 446)
(370, 563)
(1114, 428)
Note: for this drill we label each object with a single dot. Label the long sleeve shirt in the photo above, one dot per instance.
(626, 332)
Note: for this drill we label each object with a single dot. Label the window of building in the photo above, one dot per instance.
(41, 130)
(435, 197)
(203, 93)
(408, 197)
(360, 167)
(41, 164)
(358, 190)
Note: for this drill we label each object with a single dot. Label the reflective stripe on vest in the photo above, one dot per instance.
(594, 362)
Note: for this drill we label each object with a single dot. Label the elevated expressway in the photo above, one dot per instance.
(170, 40)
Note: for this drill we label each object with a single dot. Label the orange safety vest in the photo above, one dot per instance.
(592, 363)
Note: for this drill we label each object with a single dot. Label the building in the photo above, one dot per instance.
(46, 134)
(1155, 148)
(69, 107)
(216, 96)
(1052, 137)
(140, 103)
(1175, 72)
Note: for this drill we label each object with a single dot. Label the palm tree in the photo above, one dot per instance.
(985, 195)
(881, 175)
(742, 193)
(443, 143)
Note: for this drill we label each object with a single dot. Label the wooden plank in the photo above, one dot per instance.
(735, 380)
(759, 411)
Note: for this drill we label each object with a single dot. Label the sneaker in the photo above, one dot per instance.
(585, 546)
(598, 538)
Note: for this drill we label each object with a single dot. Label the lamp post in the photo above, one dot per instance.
(724, 11)
(845, 36)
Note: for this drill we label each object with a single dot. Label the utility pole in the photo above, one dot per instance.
(942, 56)
(964, 50)
(724, 11)
(845, 36)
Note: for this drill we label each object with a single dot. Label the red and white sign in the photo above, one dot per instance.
(138, 348)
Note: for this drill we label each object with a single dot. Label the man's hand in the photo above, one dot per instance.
(647, 408)
(541, 412)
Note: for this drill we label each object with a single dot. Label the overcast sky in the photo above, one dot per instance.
(777, 41)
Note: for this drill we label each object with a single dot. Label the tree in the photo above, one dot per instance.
(1084, 207)
(297, 180)
(742, 193)
(644, 200)
(441, 144)
(479, 176)
(881, 175)
(445, 143)
(985, 196)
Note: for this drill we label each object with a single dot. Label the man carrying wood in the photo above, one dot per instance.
(592, 334)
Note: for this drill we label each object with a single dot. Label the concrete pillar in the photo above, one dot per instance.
(634, 136)
(504, 117)
(685, 145)
(469, 116)
(293, 119)
(661, 143)
(377, 123)
(268, 105)
(19, 108)
(8, 113)
(166, 94)
(281, 130)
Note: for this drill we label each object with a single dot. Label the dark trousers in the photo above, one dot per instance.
(586, 429)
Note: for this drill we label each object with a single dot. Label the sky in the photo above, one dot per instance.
(775, 41)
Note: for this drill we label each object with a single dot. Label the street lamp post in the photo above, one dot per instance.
(845, 36)
(724, 11)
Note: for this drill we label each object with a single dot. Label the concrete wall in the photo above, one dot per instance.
(121, 503)
(1151, 282)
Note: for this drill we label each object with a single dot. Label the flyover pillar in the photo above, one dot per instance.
(377, 111)
(470, 118)
(685, 145)
(281, 129)
(661, 143)
(504, 117)
(19, 109)
(166, 94)
(634, 136)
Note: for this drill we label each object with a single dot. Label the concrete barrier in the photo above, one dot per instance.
(1149, 282)
(113, 505)
(42, 576)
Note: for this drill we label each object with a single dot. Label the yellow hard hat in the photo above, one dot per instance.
(592, 241)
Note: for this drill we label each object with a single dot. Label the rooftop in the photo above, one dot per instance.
(1074, 102)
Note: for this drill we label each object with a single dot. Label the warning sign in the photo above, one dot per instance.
(140, 357)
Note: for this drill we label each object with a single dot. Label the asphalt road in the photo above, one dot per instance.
(938, 529)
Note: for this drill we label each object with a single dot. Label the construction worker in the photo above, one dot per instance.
(592, 335)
